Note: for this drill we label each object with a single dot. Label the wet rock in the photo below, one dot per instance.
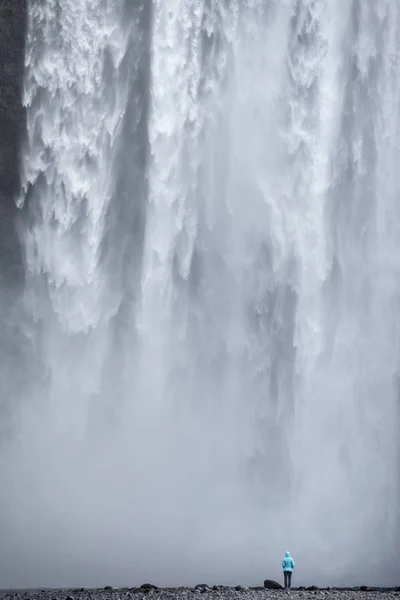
(272, 585)
(148, 587)
(202, 587)
(12, 123)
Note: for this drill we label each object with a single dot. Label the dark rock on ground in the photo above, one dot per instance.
(147, 587)
(203, 587)
(272, 585)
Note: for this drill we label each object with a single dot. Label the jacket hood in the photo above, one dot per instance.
(287, 554)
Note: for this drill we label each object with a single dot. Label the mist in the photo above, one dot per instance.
(206, 343)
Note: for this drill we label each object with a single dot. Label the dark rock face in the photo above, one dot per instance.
(12, 122)
(13, 374)
(272, 585)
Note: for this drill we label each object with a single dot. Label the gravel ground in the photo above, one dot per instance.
(203, 593)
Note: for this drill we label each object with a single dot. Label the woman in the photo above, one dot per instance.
(288, 566)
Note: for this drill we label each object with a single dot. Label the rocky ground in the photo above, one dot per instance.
(204, 593)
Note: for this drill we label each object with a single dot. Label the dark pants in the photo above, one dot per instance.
(287, 575)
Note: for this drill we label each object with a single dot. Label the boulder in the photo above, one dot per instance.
(272, 585)
(148, 587)
(202, 587)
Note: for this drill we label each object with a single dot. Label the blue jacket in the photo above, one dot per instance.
(288, 562)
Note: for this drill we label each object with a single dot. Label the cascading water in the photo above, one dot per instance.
(210, 218)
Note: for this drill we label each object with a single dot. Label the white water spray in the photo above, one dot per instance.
(211, 231)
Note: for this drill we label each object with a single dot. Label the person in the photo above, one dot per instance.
(288, 566)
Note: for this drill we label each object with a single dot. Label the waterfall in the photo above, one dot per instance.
(211, 231)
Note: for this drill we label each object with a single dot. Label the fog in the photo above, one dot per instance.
(207, 371)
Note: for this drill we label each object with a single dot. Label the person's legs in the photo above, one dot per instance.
(290, 579)
(285, 578)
